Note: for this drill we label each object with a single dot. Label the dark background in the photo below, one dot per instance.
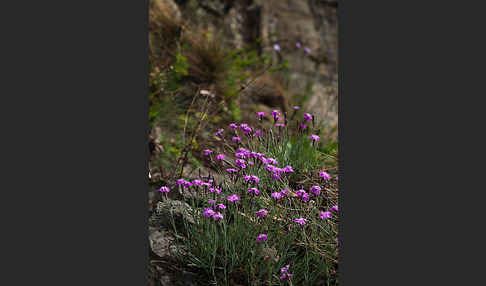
(74, 120)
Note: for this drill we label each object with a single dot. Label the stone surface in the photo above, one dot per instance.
(312, 23)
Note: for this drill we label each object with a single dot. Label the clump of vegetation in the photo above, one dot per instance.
(270, 216)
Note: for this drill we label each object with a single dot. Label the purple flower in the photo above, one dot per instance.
(316, 190)
(275, 113)
(279, 125)
(208, 212)
(197, 182)
(324, 175)
(207, 152)
(285, 269)
(247, 130)
(261, 237)
(221, 206)
(236, 139)
(251, 163)
(253, 191)
(307, 50)
(233, 198)
(276, 47)
(212, 202)
(240, 163)
(296, 107)
(231, 170)
(262, 213)
(277, 195)
(272, 161)
(334, 208)
(164, 190)
(305, 197)
(232, 126)
(298, 45)
(325, 215)
(261, 114)
(285, 275)
(300, 221)
(220, 157)
(314, 137)
(217, 216)
(303, 126)
(300, 193)
(253, 179)
(284, 192)
(243, 126)
(215, 190)
(257, 133)
(220, 131)
(307, 116)
(208, 184)
(184, 183)
(288, 169)
(242, 150)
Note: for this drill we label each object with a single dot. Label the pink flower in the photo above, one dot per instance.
(261, 237)
(276, 47)
(216, 190)
(277, 195)
(207, 152)
(298, 45)
(314, 137)
(253, 191)
(334, 208)
(285, 269)
(272, 161)
(285, 275)
(220, 157)
(275, 113)
(300, 221)
(208, 212)
(305, 197)
(307, 116)
(221, 206)
(325, 215)
(212, 202)
(253, 179)
(240, 163)
(324, 175)
(303, 126)
(261, 114)
(236, 139)
(316, 190)
(257, 133)
(307, 50)
(300, 193)
(231, 170)
(233, 198)
(262, 213)
(164, 190)
(251, 163)
(217, 216)
(233, 126)
(296, 107)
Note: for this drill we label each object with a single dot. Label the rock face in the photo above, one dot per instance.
(305, 30)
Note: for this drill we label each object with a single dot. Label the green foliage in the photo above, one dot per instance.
(228, 251)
